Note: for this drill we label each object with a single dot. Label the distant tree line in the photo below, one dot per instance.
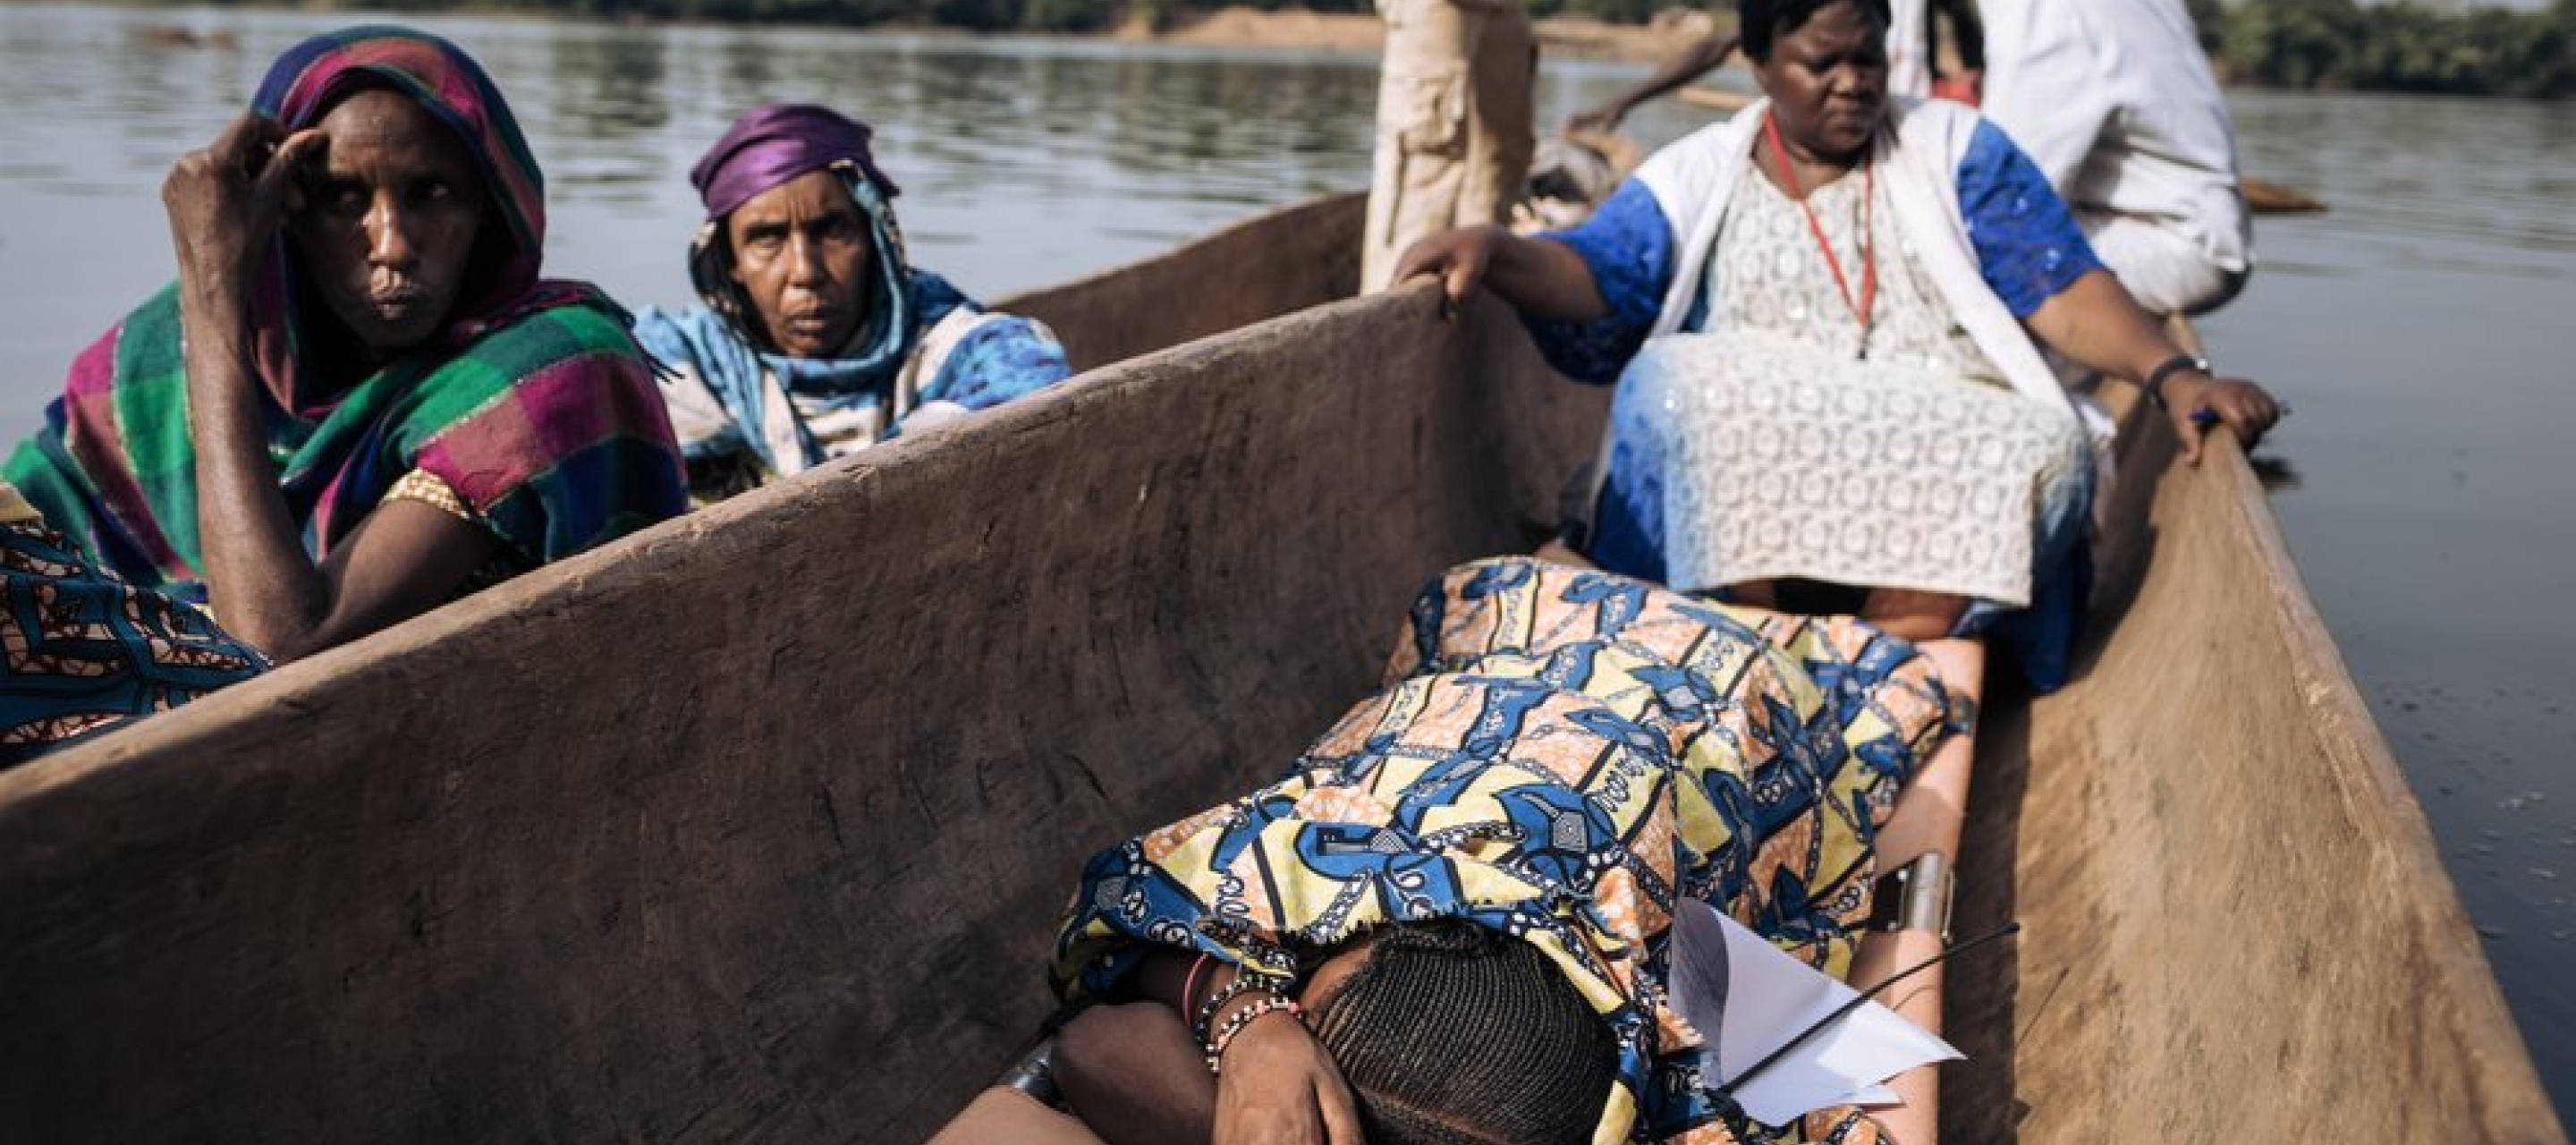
(2394, 47)
(2342, 44)
(973, 15)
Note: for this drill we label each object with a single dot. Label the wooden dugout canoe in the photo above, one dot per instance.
(753, 827)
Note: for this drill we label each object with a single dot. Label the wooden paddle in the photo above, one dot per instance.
(2274, 199)
(1717, 98)
(2262, 197)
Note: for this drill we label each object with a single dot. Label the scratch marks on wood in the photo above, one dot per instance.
(831, 814)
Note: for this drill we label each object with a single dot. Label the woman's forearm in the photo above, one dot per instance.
(1544, 278)
(1541, 278)
(2096, 323)
(1702, 57)
(1166, 972)
(258, 577)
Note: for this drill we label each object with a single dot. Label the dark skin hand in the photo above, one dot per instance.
(1540, 277)
(1135, 1076)
(369, 212)
(1280, 1088)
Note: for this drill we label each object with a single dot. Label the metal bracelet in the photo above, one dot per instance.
(1034, 1075)
(1923, 889)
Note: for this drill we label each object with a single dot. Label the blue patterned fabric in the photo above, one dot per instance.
(1626, 532)
(89, 651)
(1004, 358)
(2028, 245)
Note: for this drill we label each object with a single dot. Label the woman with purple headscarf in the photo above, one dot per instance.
(817, 339)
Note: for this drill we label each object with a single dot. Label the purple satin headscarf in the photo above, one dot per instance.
(777, 142)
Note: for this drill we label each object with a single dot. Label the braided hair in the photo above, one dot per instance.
(1453, 1034)
(1759, 22)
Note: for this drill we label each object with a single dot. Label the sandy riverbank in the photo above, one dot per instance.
(1560, 37)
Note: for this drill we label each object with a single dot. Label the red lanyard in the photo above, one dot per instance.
(1868, 303)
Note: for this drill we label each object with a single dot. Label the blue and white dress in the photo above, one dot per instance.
(1761, 432)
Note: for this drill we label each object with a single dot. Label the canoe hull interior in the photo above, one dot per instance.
(2237, 927)
(755, 825)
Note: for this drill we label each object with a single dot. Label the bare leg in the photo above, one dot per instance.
(1557, 552)
(1129, 1073)
(1755, 594)
(1930, 816)
(1933, 809)
(1883, 953)
(1912, 615)
(1135, 1076)
(1008, 1117)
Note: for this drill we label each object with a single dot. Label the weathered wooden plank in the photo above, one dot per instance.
(1282, 261)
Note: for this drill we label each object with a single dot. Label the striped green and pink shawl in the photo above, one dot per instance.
(534, 404)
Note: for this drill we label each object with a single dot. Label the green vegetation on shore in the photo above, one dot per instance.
(2408, 45)
(2403, 46)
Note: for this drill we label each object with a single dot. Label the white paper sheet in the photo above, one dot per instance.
(1738, 989)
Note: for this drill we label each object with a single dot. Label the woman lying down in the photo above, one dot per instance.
(1450, 921)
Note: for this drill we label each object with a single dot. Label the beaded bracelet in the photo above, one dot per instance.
(1243, 1018)
(1243, 983)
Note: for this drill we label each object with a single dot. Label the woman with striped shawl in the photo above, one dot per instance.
(378, 402)
(359, 400)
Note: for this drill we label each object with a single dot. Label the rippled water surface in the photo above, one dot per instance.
(2425, 330)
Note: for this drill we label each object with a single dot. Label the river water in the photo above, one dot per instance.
(2422, 329)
